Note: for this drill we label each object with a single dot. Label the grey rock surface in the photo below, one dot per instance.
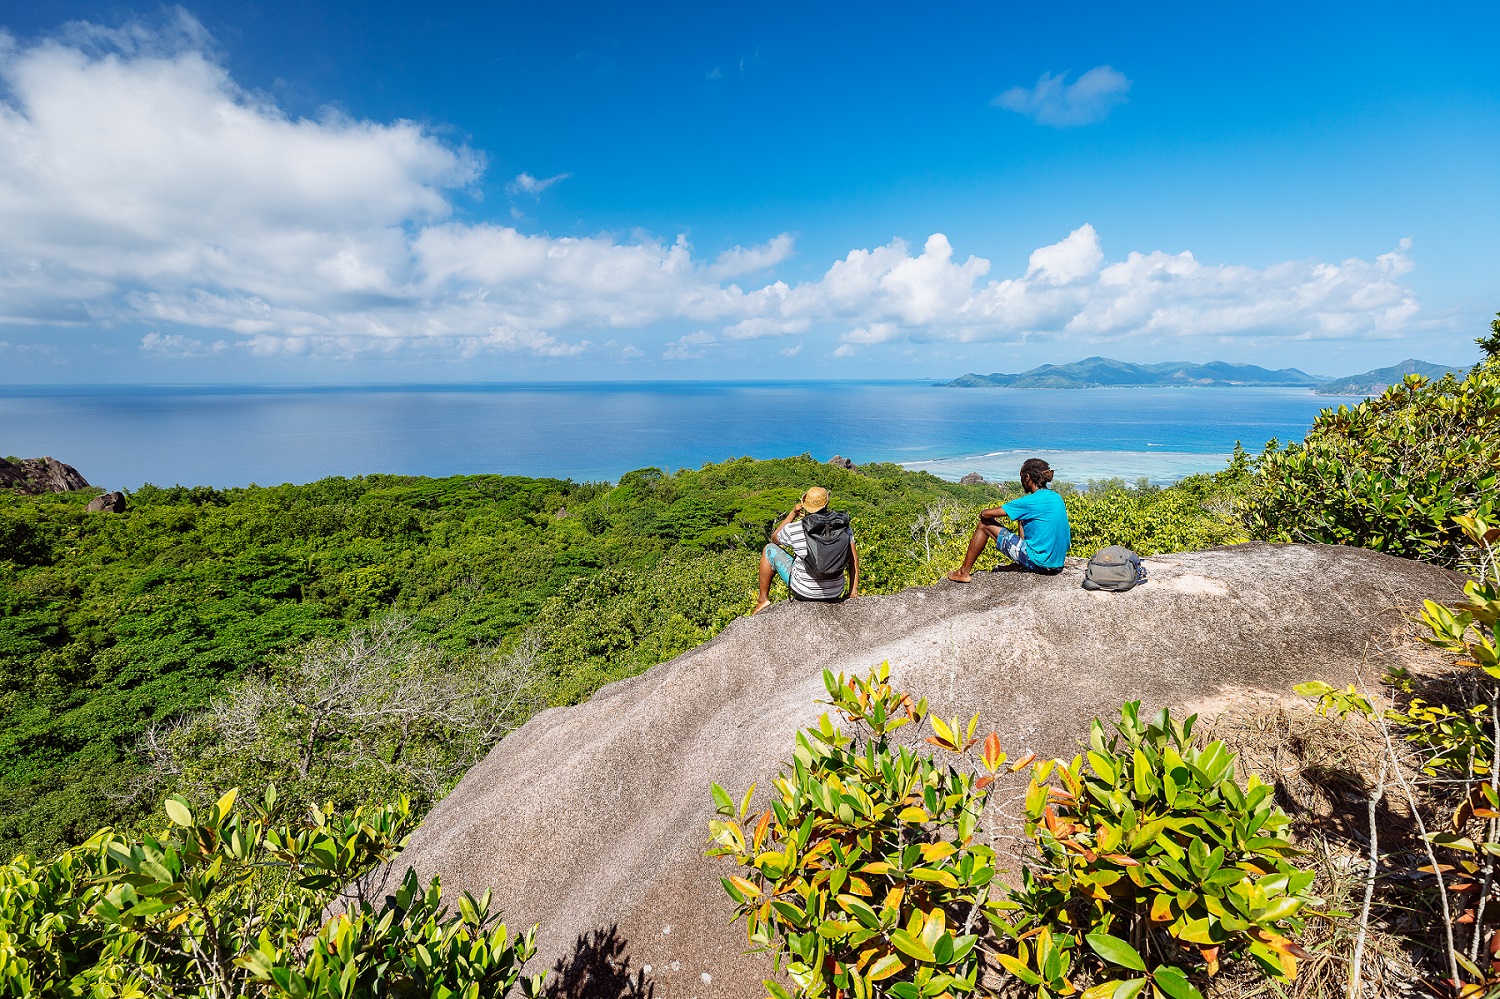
(591, 820)
(34, 476)
(841, 462)
(108, 503)
(972, 479)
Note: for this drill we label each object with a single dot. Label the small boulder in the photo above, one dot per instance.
(108, 503)
(972, 479)
(841, 462)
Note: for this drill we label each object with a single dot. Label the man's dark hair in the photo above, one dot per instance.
(1037, 471)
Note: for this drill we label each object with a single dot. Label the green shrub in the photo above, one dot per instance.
(867, 877)
(1155, 521)
(1149, 852)
(233, 902)
(1389, 474)
(863, 876)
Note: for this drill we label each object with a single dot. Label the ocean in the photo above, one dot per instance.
(121, 437)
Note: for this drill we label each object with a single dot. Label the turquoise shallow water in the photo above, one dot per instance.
(121, 437)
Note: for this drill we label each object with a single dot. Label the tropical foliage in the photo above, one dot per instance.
(868, 873)
(233, 901)
(181, 645)
(857, 874)
(1149, 851)
(1391, 474)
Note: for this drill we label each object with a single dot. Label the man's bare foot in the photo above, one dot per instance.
(959, 576)
(760, 607)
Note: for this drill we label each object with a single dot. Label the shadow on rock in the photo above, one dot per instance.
(597, 969)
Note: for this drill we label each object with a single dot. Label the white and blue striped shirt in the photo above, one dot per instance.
(794, 537)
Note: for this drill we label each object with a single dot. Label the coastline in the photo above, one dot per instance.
(1159, 466)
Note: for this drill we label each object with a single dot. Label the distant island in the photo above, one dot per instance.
(1375, 382)
(1106, 372)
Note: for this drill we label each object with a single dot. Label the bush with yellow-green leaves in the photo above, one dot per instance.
(235, 901)
(867, 873)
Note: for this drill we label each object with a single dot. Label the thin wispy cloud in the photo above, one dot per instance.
(525, 183)
(177, 345)
(140, 184)
(1056, 102)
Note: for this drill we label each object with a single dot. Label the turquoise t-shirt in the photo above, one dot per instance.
(1045, 519)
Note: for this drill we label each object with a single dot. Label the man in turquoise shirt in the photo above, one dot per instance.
(1044, 537)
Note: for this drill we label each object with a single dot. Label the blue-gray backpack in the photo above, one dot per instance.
(828, 535)
(1115, 568)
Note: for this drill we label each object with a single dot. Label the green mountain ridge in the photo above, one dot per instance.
(1106, 372)
(1376, 381)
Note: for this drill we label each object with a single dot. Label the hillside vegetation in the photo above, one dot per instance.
(116, 630)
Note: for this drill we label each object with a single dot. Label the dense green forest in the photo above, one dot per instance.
(119, 631)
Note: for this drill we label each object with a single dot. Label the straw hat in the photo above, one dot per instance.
(814, 499)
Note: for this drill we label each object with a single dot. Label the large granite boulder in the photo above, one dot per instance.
(591, 820)
(34, 476)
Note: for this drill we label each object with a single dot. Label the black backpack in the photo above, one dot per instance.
(1115, 568)
(828, 537)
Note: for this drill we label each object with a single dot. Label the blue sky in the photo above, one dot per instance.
(277, 191)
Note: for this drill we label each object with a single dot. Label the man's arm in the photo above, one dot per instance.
(853, 569)
(995, 513)
(796, 509)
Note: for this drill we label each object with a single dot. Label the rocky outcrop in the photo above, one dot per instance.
(840, 461)
(591, 820)
(108, 503)
(972, 479)
(34, 476)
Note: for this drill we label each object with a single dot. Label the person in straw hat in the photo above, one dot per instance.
(775, 561)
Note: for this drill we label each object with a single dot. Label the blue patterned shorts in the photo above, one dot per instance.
(781, 562)
(1012, 546)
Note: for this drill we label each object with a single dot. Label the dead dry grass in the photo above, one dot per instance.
(1323, 770)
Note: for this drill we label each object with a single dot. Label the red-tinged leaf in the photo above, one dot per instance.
(749, 890)
(1024, 761)
(991, 750)
(983, 782)
(942, 743)
(885, 967)
(761, 827)
(1122, 860)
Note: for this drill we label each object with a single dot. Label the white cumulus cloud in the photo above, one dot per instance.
(139, 184)
(1056, 102)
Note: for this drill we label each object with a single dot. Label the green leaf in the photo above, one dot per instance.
(178, 811)
(1115, 951)
(1174, 983)
(912, 946)
(724, 803)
